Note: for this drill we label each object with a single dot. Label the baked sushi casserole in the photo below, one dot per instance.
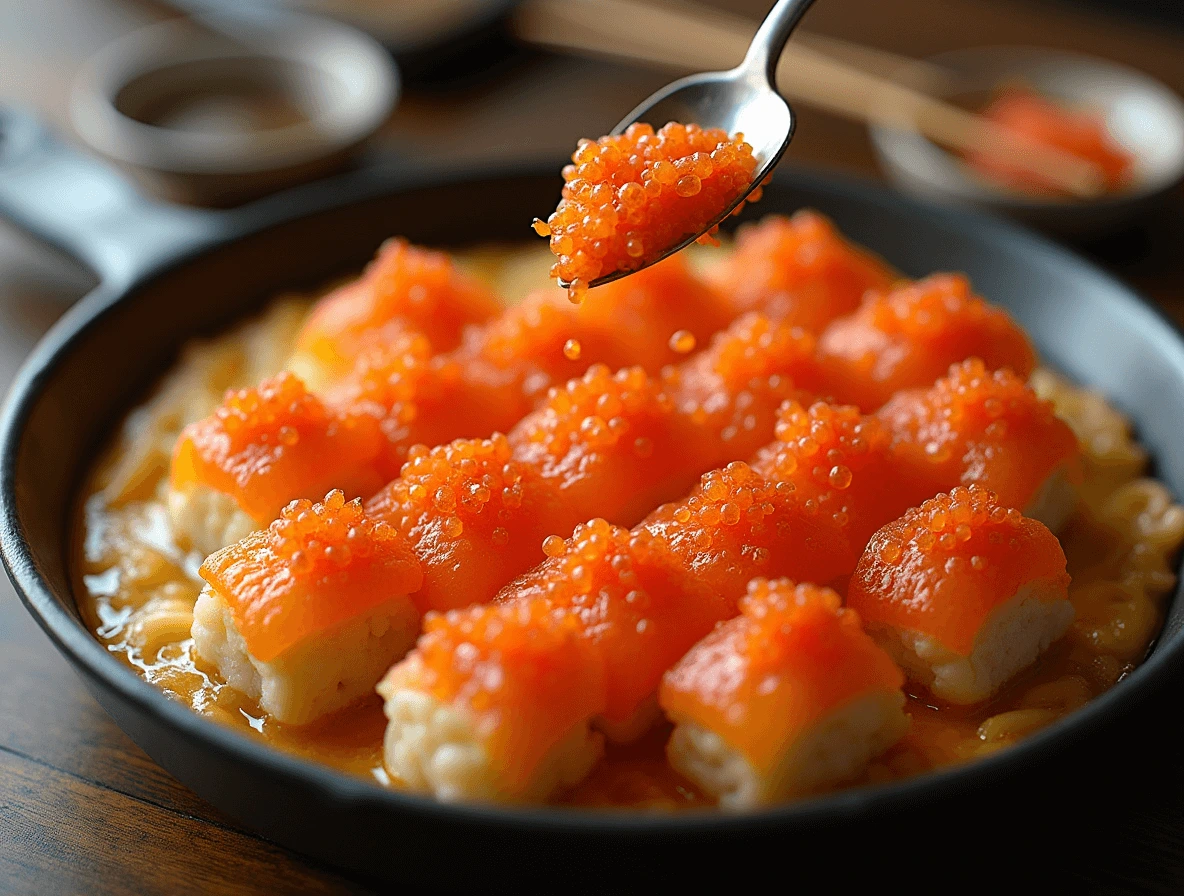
(760, 521)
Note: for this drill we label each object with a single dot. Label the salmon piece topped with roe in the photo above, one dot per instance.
(475, 517)
(420, 397)
(305, 615)
(840, 465)
(406, 288)
(628, 199)
(732, 389)
(987, 428)
(234, 470)
(737, 524)
(789, 698)
(637, 605)
(493, 705)
(611, 445)
(964, 592)
(799, 270)
(908, 337)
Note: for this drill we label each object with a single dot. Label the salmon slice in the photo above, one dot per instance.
(405, 289)
(737, 524)
(732, 390)
(641, 313)
(799, 270)
(306, 615)
(908, 337)
(475, 517)
(493, 704)
(265, 446)
(987, 428)
(419, 397)
(637, 605)
(788, 698)
(964, 592)
(840, 465)
(611, 445)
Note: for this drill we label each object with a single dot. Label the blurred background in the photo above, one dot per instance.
(473, 91)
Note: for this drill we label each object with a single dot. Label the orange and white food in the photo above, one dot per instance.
(964, 592)
(304, 615)
(678, 544)
(786, 699)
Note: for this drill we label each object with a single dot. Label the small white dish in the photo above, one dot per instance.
(212, 118)
(1143, 115)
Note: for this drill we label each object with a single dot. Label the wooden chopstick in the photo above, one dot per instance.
(683, 36)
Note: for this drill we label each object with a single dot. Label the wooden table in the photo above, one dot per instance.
(83, 810)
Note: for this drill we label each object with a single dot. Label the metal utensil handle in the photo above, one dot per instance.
(771, 38)
(85, 207)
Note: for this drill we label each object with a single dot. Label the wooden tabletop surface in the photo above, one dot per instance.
(83, 810)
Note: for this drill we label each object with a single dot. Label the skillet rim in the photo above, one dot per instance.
(91, 660)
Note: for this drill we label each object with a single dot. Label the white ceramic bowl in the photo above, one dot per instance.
(1143, 115)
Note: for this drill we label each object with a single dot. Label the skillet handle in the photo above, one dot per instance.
(85, 207)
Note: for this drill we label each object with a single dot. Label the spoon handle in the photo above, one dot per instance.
(770, 39)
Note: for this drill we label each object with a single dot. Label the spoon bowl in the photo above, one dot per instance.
(743, 100)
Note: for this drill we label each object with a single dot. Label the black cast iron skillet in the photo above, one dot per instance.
(169, 274)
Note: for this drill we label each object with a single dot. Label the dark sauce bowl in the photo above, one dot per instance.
(170, 275)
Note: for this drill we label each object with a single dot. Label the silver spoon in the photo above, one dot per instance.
(743, 99)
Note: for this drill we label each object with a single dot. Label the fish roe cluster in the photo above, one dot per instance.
(736, 385)
(908, 337)
(390, 378)
(946, 521)
(406, 288)
(629, 198)
(595, 411)
(839, 462)
(272, 411)
(798, 269)
(944, 565)
(454, 485)
(314, 566)
(779, 612)
(277, 440)
(317, 538)
(464, 654)
(982, 426)
(635, 601)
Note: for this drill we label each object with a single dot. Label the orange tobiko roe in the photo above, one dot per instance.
(315, 567)
(420, 397)
(907, 338)
(638, 606)
(405, 288)
(792, 656)
(528, 677)
(475, 517)
(628, 199)
(732, 389)
(1080, 133)
(841, 467)
(800, 270)
(267, 445)
(737, 525)
(943, 567)
(610, 445)
(980, 427)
